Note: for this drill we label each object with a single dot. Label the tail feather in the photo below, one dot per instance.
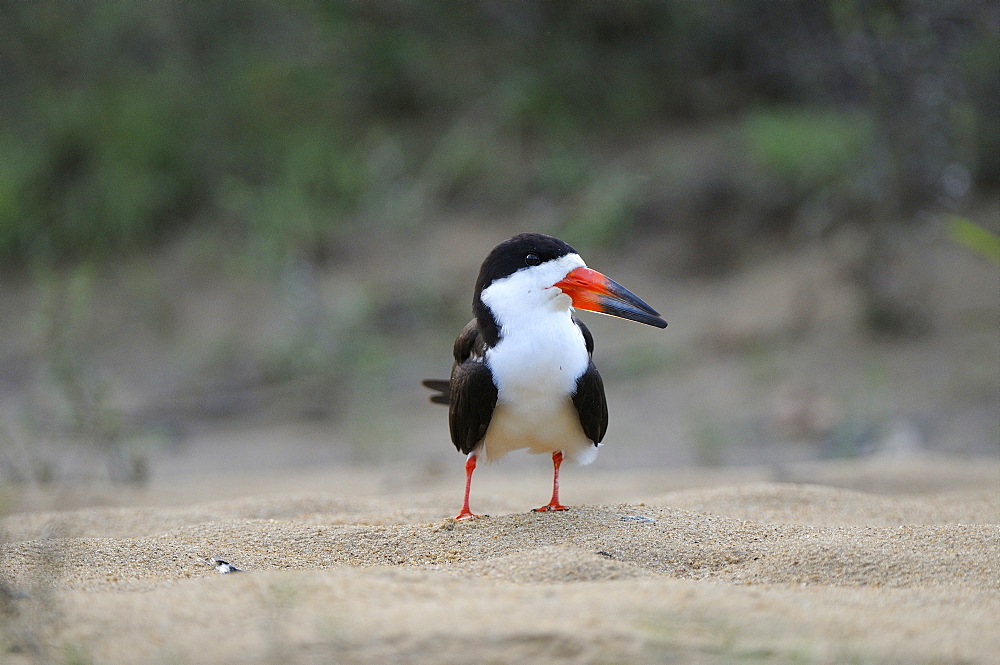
(443, 387)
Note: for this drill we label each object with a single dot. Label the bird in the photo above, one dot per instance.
(523, 373)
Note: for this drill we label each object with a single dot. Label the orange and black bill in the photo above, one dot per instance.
(592, 291)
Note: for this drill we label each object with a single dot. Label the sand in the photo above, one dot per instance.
(871, 561)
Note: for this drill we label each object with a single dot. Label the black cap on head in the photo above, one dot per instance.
(522, 251)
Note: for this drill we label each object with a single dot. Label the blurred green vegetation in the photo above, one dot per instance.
(214, 143)
(813, 152)
(290, 124)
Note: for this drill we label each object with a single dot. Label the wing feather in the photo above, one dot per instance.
(473, 393)
(589, 399)
(591, 404)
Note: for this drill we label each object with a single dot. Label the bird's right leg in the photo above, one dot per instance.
(557, 459)
(470, 466)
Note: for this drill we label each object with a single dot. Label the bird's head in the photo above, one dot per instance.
(532, 273)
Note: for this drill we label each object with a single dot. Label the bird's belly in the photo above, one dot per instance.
(535, 368)
(540, 425)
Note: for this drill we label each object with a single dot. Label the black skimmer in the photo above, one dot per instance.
(523, 375)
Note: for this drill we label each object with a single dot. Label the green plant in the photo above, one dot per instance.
(808, 148)
(974, 237)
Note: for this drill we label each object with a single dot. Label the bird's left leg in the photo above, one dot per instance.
(470, 466)
(557, 458)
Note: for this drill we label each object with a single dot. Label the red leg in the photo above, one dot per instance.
(557, 458)
(470, 466)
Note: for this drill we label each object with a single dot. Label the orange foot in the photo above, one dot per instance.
(466, 514)
(550, 507)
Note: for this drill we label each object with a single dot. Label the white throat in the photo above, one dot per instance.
(519, 300)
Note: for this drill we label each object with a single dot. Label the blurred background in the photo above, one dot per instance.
(236, 235)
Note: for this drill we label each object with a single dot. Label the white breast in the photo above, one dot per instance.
(535, 365)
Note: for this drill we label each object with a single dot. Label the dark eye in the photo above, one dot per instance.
(532, 260)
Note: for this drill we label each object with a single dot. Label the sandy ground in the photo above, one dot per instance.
(872, 561)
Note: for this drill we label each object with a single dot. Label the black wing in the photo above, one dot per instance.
(591, 404)
(473, 393)
(589, 399)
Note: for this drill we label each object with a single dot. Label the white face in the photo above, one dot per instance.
(528, 292)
